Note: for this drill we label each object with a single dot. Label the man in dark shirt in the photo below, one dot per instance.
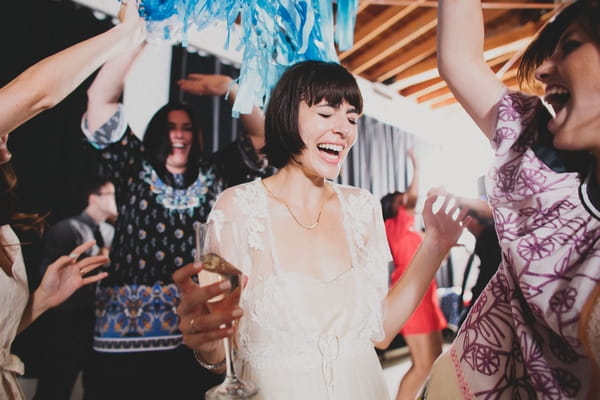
(69, 328)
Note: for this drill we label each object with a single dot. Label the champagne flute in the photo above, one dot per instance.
(213, 244)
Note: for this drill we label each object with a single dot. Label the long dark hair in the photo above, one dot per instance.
(157, 144)
(309, 81)
(9, 214)
(584, 12)
(387, 205)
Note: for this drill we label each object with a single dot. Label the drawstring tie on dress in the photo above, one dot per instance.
(329, 347)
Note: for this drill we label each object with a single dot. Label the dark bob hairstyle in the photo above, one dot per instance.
(584, 12)
(311, 82)
(157, 143)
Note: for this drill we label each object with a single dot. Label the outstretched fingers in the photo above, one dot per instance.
(71, 259)
(448, 222)
(90, 264)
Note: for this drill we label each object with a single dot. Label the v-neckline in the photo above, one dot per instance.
(275, 256)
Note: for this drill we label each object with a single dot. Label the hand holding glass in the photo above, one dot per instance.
(211, 243)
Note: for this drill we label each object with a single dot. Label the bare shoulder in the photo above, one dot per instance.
(354, 194)
(245, 195)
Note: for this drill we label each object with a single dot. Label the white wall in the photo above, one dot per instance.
(147, 86)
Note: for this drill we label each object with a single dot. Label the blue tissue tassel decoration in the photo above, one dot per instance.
(275, 35)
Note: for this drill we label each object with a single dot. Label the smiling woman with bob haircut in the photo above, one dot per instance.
(315, 255)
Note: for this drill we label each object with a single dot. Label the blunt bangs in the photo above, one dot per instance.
(584, 12)
(332, 82)
(309, 81)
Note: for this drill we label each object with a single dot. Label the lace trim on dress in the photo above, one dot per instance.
(357, 215)
(366, 250)
(252, 202)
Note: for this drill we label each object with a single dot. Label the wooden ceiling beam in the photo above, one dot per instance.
(443, 103)
(501, 41)
(434, 88)
(448, 98)
(376, 26)
(434, 94)
(422, 88)
(383, 48)
(416, 54)
(404, 60)
(430, 85)
(362, 6)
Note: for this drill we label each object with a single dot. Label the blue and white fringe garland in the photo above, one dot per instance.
(275, 35)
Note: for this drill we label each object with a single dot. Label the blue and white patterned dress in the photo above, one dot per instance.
(154, 235)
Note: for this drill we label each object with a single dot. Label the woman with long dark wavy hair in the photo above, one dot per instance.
(163, 188)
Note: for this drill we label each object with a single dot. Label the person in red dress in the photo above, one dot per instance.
(423, 330)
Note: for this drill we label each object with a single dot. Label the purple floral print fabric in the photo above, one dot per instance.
(520, 340)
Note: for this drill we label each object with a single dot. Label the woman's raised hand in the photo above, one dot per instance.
(130, 18)
(446, 225)
(65, 275)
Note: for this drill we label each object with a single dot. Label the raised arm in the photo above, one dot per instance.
(47, 82)
(460, 60)
(218, 85)
(108, 85)
(412, 193)
(442, 230)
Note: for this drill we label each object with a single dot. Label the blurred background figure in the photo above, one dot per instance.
(164, 187)
(487, 247)
(486, 254)
(39, 88)
(240, 161)
(68, 330)
(423, 330)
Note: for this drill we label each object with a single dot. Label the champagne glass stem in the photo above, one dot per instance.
(230, 367)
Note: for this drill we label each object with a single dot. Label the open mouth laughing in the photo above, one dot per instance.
(557, 97)
(330, 148)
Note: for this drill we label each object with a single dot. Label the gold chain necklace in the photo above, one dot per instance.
(311, 226)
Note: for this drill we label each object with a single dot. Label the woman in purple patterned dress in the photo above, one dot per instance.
(534, 332)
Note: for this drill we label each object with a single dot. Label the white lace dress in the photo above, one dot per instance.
(301, 338)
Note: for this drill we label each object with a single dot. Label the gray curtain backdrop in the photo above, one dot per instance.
(378, 161)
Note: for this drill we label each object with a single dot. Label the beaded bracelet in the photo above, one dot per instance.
(204, 365)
